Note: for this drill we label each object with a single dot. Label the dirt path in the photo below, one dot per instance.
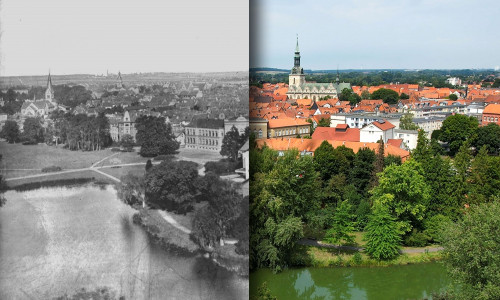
(315, 243)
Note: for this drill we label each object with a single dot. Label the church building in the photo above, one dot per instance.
(40, 107)
(298, 88)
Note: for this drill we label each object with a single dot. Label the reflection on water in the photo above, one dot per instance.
(397, 282)
(57, 240)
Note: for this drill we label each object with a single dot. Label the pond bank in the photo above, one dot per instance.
(172, 238)
(313, 256)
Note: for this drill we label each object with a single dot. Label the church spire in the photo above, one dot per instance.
(296, 60)
(297, 47)
(49, 93)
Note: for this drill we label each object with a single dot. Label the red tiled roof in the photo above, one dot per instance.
(492, 109)
(384, 126)
(395, 142)
(336, 134)
(310, 145)
(277, 123)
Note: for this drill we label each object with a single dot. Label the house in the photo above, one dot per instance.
(308, 146)
(409, 138)
(491, 114)
(288, 127)
(241, 123)
(377, 130)
(258, 127)
(205, 134)
(245, 155)
(340, 133)
(120, 126)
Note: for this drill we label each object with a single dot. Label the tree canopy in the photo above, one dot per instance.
(155, 136)
(456, 130)
(10, 131)
(387, 95)
(471, 251)
(232, 143)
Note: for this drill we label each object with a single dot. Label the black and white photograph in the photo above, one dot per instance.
(124, 149)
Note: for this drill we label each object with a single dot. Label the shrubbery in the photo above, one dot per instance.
(223, 166)
(51, 169)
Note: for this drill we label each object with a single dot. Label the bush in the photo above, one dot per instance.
(223, 166)
(357, 259)
(162, 157)
(433, 226)
(115, 149)
(51, 169)
(417, 239)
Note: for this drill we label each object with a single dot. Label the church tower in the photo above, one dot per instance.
(296, 77)
(119, 84)
(49, 93)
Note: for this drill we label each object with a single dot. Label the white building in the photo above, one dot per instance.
(359, 120)
(429, 124)
(375, 131)
(454, 81)
(409, 138)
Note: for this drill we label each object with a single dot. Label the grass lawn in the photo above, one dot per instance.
(122, 171)
(18, 156)
(165, 231)
(198, 156)
(329, 257)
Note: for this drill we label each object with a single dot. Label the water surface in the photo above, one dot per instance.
(417, 281)
(57, 240)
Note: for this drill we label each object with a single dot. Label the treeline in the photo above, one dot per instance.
(436, 78)
(79, 132)
(336, 192)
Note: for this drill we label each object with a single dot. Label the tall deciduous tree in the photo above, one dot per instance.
(383, 238)
(489, 136)
(132, 190)
(172, 185)
(471, 249)
(456, 130)
(342, 225)
(155, 136)
(10, 131)
(387, 95)
(409, 193)
(232, 143)
(406, 122)
(32, 131)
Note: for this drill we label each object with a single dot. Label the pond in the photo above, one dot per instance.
(57, 240)
(416, 281)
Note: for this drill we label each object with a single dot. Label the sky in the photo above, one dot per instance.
(376, 34)
(96, 36)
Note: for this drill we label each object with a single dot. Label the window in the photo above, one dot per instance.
(260, 133)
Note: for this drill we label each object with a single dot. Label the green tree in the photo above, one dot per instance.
(280, 198)
(471, 252)
(404, 96)
(453, 97)
(324, 122)
(488, 136)
(155, 136)
(387, 95)
(379, 163)
(349, 95)
(406, 122)
(149, 165)
(127, 142)
(382, 235)
(362, 170)
(342, 225)
(172, 185)
(456, 130)
(409, 193)
(231, 144)
(366, 95)
(10, 131)
(32, 131)
(132, 190)
(484, 177)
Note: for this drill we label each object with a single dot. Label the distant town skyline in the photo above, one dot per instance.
(379, 34)
(93, 37)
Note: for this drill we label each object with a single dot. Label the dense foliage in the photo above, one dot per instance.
(472, 252)
(155, 136)
(233, 142)
(10, 131)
